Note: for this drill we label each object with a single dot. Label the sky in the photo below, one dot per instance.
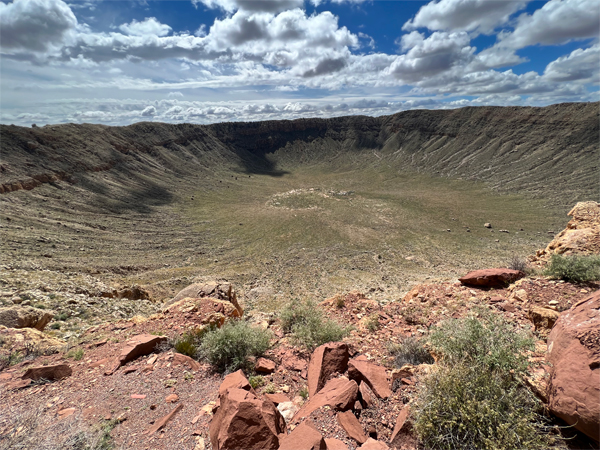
(206, 61)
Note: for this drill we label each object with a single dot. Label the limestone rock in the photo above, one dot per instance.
(288, 410)
(25, 317)
(326, 360)
(374, 375)
(22, 339)
(304, 437)
(351, 425)
(581, 236)
(574, 352)
(543, 319)
(491, 277)
(339, 394)
(242, 421)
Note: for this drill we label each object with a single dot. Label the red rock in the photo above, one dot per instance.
(179, 359)
(372, 374)
(130, 369)
(277, 398)
(66, 412)
(54, 372)
(574, 352)
(163, 421)
(335, 444)
(372, 444)
(137, 346)
(172, 398)
(235, 380)
(401, 421)
(138, 396)
(242, 421)
(264, 365)
(304, 437)
(352, 426)
(326, 360)
(491, 277)
(99, 363)
(365, 393)
(292, 362)
(339, 393)
(18, 384)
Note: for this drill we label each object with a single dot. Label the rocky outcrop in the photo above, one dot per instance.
(243, 421)
(325, 361)
(25, 317)
(543, 319)
(213, 290)
(491, 277)
(338, 393)
(361, 370)
(204, 311)
(25, 340)
(135, 347)
(581, 236)
(574, 352)
(304, 437)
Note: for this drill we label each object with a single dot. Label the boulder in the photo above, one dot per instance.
(54, 372)
(351, 425)
(339, 393)
(374, 375)
(574, 352)
(326, 360)
(140, 345)
(264, 365)
(304, 437)
(23, 339)
(543, 319)
(219, 291)
(491, 277)
(25, 317)
(243, 421)
(288, 410)
(402, 424)
(235, 380)
(335, 444)
(372, 444)
(203, 311)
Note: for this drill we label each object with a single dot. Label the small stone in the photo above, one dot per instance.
(172, 398)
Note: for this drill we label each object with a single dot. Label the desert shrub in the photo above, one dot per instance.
(303, 393)
(61, 317)
(229, 347)
(409, 351)
(76, 354)
(189, 342)
(475, 399)
(372, 322)
(308, 325)
(518, 263)
(414, 315)
(574, 269)
(55, 326)
(269, 389)
(256, 381)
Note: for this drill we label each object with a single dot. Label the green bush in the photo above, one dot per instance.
(475, 399)
(189, 342)
(409, 351)
(372, 322)
(308, 326)
(76, 354)
(229, 347)
(55, 326)
(574, 269)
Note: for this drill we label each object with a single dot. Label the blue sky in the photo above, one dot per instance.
(204, 61)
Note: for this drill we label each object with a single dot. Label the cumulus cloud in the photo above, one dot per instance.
(430, 56)
(149, 111)
(150, 26)
(464, 15)
(271, 6)
(35, 25)
(580, 65)
(557, 22)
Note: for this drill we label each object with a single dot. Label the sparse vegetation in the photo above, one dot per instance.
(308, 326)
(75, 353)
(55, 326)
(303, 393)
(269, 389)
(476, 399)
(409, 351)
(372, 322)
(256, 381)
(518, 263)
(229, 347)
(574, 269)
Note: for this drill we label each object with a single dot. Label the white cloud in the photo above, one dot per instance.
(428, 57)
(580, 65)
(35, 25)
(557, 22)
(150, 26)
(272, 6)
(149, 111)
(464, 15)
(176, 94)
